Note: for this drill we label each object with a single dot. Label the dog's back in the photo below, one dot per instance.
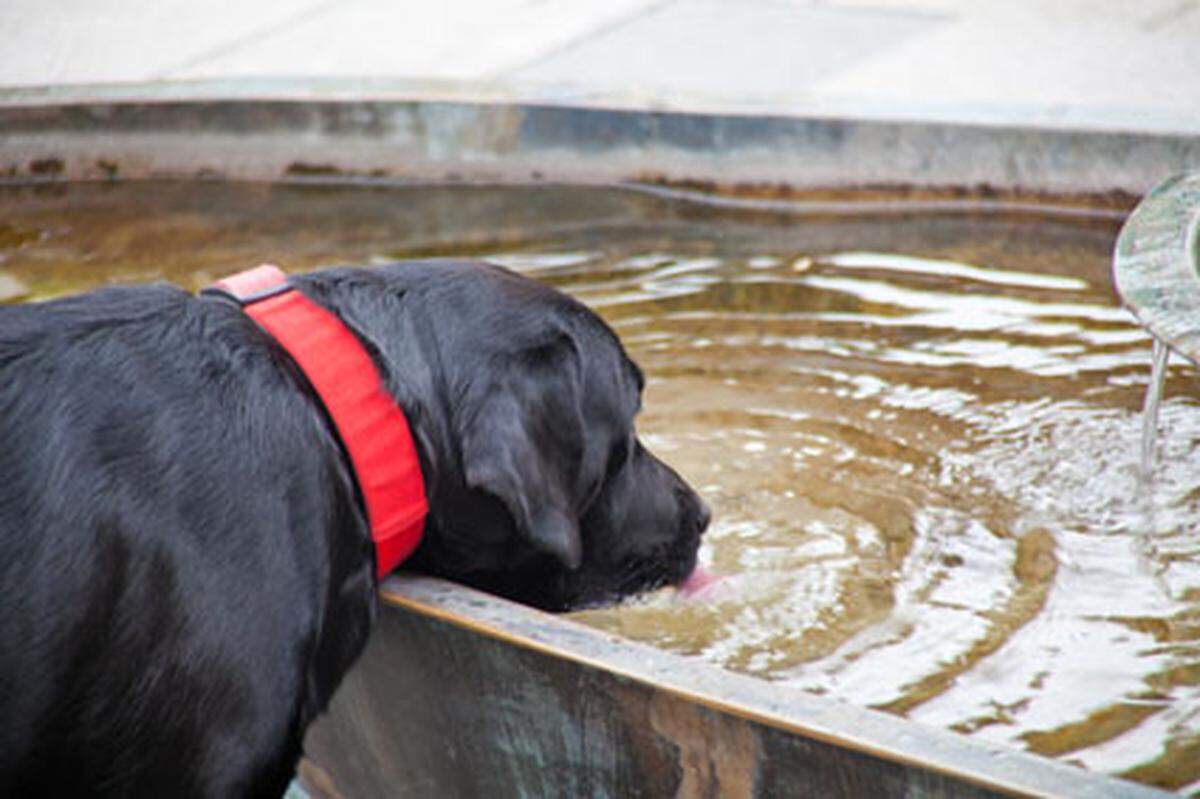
(129, 420)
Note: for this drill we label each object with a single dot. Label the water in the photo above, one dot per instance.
(1158, 378)
(919, 433)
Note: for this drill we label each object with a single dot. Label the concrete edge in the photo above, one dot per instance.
(156, 130)
(1109, 119)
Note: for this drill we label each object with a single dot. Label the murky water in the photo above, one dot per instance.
(919, 434)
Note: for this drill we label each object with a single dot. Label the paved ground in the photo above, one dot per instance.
(1086, 63)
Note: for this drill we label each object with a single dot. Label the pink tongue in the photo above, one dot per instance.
(699, 581)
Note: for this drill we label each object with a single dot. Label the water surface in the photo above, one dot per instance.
(919, 433)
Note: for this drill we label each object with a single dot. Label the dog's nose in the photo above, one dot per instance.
(703, 515)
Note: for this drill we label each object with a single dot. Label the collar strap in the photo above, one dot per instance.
(372, 427)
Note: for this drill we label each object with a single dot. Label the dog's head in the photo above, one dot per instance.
(522, 402)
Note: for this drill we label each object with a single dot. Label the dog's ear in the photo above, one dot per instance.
(523, 443)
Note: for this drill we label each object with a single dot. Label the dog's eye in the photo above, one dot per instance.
(617, 458)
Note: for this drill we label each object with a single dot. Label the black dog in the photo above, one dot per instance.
(186, 570)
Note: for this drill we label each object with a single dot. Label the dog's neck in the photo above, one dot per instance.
(371, 426)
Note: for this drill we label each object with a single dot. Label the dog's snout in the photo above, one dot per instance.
(695, 512)
(703, 516)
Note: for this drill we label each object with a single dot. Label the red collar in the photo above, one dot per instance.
(371, 425)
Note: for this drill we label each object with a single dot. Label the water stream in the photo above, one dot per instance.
(1161, 354)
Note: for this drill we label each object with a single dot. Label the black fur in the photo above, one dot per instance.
(186, 573)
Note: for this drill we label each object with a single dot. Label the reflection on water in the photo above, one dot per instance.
(919, 434)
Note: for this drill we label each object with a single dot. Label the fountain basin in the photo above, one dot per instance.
(471, 694)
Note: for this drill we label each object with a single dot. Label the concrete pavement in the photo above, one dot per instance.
(1096, 64)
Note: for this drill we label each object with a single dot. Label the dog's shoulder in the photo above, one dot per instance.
(167, 487)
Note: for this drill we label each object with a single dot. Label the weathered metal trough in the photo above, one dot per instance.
(462, 694)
